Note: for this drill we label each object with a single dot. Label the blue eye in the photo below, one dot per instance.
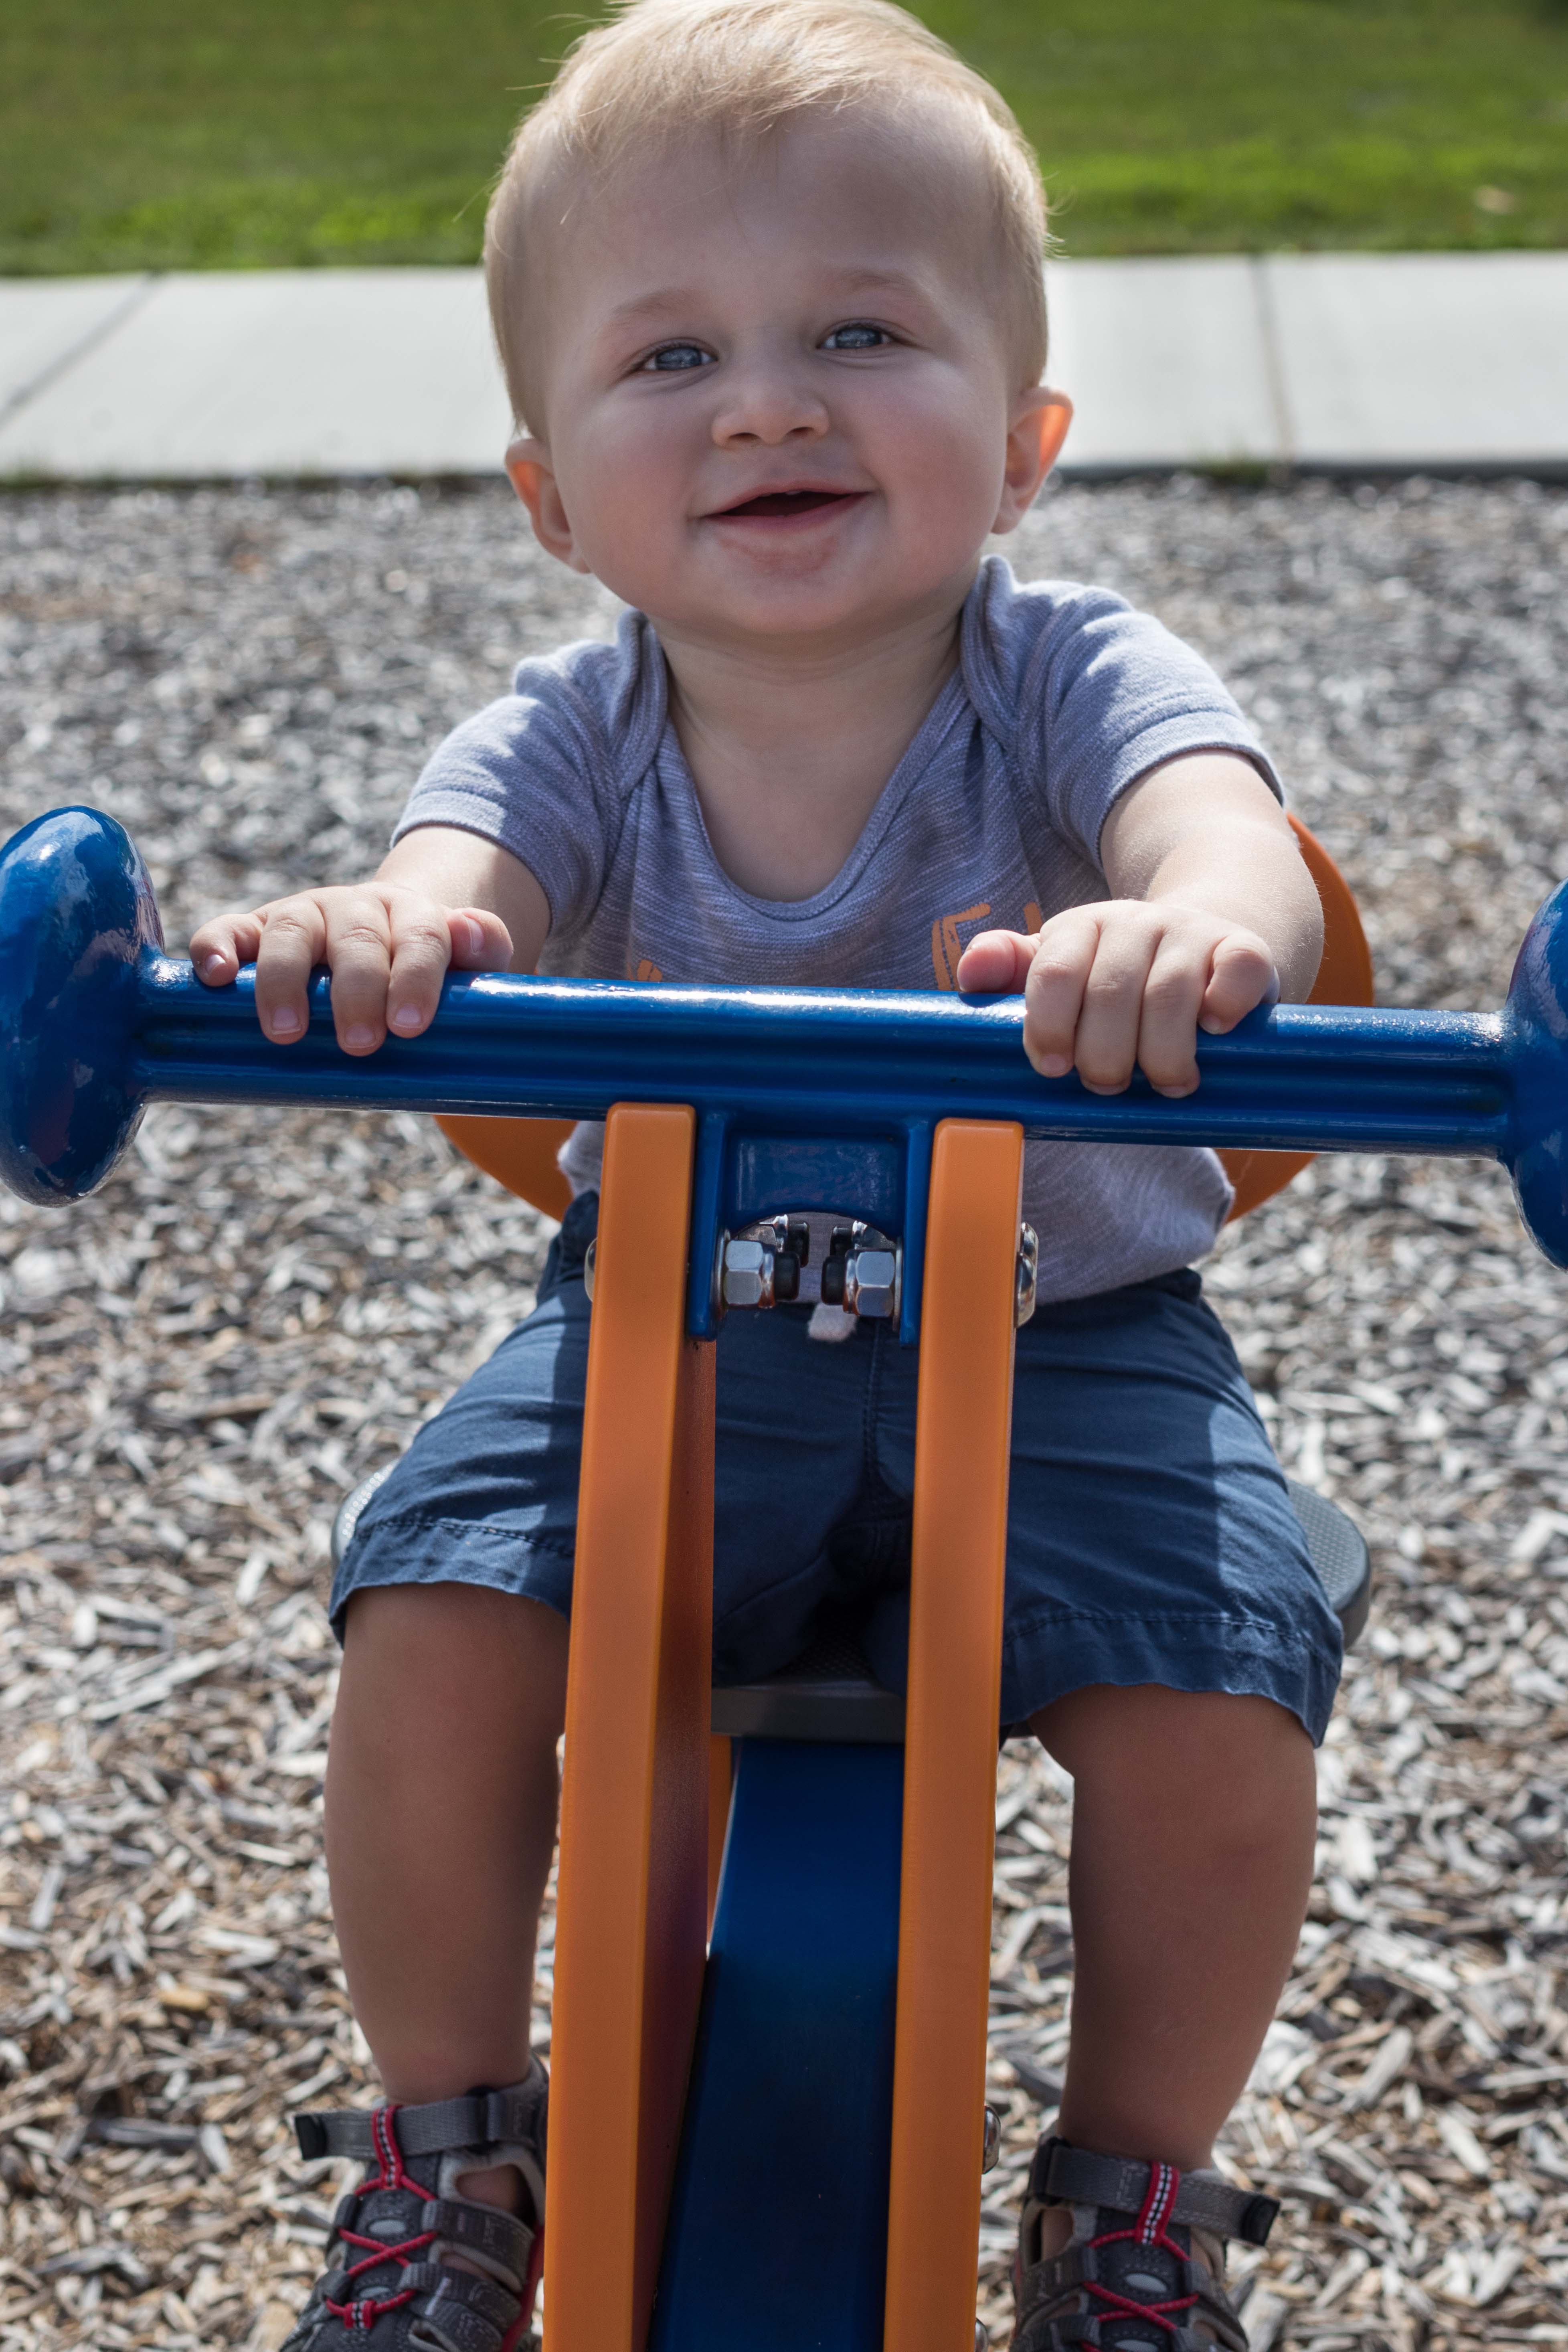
(677, 356)
(858, 336)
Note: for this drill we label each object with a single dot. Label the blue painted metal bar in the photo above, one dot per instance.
(800, 1092)
(778, 2228)
(791, 1060)
(912, 1227)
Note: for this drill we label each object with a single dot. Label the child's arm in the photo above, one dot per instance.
(1213, 912)
(443, 899)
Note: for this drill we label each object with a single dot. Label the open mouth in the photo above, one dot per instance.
(772, 503)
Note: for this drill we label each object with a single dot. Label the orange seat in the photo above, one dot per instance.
(521, 1152)
(1344, 977)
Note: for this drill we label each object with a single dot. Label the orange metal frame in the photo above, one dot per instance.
(631, 1913)
(645, 1790)
(963, 1437)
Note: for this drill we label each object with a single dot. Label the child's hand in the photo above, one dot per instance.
(389, 947)
(1128, 981)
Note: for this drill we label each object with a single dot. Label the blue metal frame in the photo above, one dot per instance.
(806, 1098)
(777, 2238)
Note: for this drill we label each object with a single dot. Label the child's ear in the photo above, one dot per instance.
(1035, 437)
(528, 464)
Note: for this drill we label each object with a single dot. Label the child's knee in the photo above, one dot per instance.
(458, 1650)
(1237, 1761)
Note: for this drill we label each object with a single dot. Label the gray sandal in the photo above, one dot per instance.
(1145, 2268)
(389, 2277)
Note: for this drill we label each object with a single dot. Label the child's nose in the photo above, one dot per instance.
(769, 403)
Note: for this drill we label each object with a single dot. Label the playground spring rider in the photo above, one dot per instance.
(778, 2142)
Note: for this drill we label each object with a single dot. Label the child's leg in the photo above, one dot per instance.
(1192, 1859)
(441, 1817)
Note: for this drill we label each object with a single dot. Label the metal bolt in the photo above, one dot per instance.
(747, 1276)
(1029, 1272)
(871, 1282)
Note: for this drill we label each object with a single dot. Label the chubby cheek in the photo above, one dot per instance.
(627, 489)
(940, 462)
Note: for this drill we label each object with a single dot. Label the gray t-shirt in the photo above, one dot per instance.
(1063, 698)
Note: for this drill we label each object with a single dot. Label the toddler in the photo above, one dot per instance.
(766, 281)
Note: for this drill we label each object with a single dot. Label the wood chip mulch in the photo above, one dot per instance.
(198, 1363)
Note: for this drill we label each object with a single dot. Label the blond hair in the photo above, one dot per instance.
(661, 69)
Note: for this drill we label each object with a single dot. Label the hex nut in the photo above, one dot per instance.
(748, 1278)
(871, 1282)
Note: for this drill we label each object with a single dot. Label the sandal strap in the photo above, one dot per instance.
(470, 2313)
(483, 2230)
(1044, 2326)
(481, 2119)
(486, 2231)
(444, 2285)
(1063, 2175)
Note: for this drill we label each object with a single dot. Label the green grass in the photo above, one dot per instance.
(231, 134)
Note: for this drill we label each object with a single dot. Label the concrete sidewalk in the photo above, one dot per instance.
(1345, 362)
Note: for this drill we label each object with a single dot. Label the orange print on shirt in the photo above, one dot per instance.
(946, 947)
(647, 971)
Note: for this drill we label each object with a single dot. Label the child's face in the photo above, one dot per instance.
(780, 396)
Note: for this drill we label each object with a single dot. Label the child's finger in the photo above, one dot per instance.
(358, 948)
(996, 963)
(422, 936)
(224, 943)
(1242, 976)
(294, 941)
(1168, 1022)
(1106, 1050)
(1054, 992)
(480, 940)
(426, 944)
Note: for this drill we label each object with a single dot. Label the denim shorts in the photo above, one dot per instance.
(1149, 1535)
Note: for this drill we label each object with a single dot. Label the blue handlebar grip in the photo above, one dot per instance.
(1536, 1025)
(76, 915)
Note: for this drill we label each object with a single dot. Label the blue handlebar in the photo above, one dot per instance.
(806, 1098)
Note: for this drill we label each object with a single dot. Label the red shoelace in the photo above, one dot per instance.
(1148, 2229)
(363, 2311)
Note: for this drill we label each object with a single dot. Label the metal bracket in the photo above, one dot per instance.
(882, 1178)
(862, 1273)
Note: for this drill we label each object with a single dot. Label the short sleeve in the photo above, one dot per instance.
(1100, 695)
(545, 771)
